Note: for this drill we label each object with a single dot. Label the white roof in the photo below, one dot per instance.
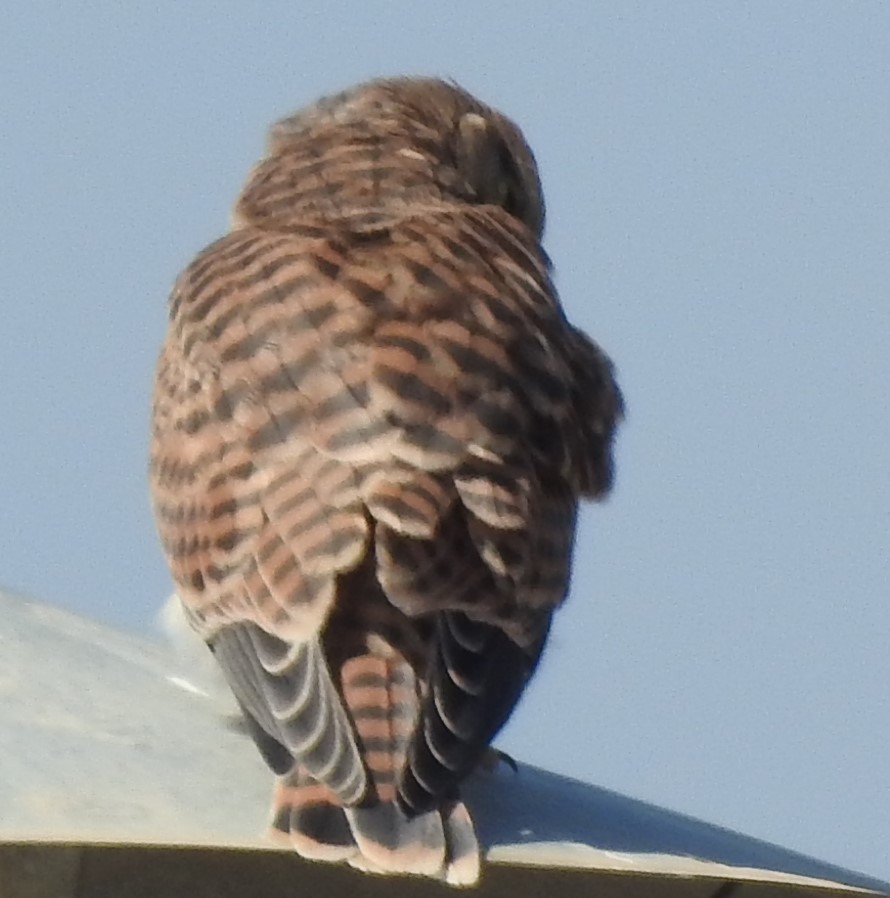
(106, 740)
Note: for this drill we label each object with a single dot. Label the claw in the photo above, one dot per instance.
(493, 757)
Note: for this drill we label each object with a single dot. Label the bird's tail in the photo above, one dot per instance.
(380, 834)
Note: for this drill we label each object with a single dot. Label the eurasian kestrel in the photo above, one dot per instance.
(372, 424)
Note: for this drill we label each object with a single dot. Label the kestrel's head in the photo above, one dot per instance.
(389, 144)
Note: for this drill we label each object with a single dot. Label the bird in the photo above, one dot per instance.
(371, 427)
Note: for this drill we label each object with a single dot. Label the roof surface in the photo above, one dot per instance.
(118, 758)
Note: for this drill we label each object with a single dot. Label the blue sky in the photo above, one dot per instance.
(719, 217)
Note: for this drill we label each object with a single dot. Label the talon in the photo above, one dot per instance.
(493, 757)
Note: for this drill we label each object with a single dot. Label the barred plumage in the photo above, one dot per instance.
(371, 427)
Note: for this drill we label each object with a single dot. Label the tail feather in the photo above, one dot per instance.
(462, 848)
(381, 833)
(306, 815)
(382, 694)
(383, 697)
(396, 842)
